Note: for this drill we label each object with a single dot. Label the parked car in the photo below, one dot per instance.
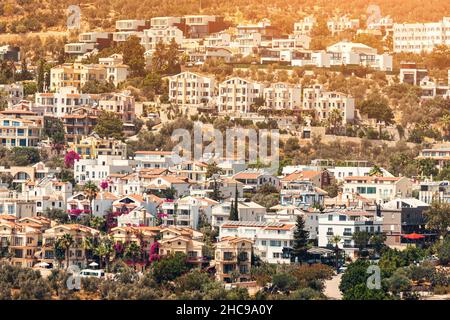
(94, 273)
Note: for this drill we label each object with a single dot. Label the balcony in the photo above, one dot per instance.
(347, 234)
(330, 233)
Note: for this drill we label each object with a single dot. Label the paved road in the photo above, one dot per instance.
(332, 287)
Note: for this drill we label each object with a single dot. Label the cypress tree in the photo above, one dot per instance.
(301, 236)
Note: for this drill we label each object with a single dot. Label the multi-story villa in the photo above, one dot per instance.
(19, 132)
(378, 189)
(90, 147)
(282, 96)
(345, 223)
(269, 238)
(323, 102)
(233, 257)
(166, 35)
(190, 88)
(77, 252)
(237, 95)
(339, 24)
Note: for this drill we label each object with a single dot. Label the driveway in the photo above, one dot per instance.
(332, 287)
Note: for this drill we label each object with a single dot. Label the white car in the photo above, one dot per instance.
(86, 273)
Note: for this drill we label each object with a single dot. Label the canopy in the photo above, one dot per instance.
(93, 264)
(413, 236)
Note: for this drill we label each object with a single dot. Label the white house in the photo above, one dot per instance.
(378, 189)
(269, 237)
(237, 95)
(190, 88)
(344, 224)
(323, 102)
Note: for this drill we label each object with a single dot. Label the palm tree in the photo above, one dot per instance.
(104, 250)
(65, 243)
(376, 171)
(91, 190)
(336, 240)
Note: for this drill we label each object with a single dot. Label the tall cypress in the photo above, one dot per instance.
(301, 236)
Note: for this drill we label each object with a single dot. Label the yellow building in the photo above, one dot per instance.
(77, 252)
(76, 75)
(184, 240)
(91, 147)
(22, 238)
(135, 234)
(233, 258)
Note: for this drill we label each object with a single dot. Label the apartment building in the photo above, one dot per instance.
(237, 95)
(186, 211)
(304, 26)
(77, 252)
(11, 204)
(143, 236)
(188, 88)
(80, 123)
(248, 43)
(402, 216)
(418, 37)
(247, 211)
(340, 173)
(264, 28)
(75, 75)
(79, 204)
(11, 93)
(218, 39)
(301, 193)
(339, 24)
(193, 170)
(100, 168)
(47, 193)
(430, 191)
(269, 238)
(282, 96)
(155, 159)
(22, 239)
(164, 22)
(344, 223)
(378, 189)
(440, 153)
(151, 37)
(184, 240)
(323, 102)
(319, 178)
(19, 132)
(121, 103)
(63, 102)
(90, 147)
(128, 28)
(116, 71)
(233, 257)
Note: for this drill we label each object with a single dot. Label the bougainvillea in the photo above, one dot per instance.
(70, 158)
(104, 185)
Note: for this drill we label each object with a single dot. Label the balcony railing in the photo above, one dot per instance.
(330, 233)
(347, 233)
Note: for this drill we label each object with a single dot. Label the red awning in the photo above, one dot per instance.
(413, 236)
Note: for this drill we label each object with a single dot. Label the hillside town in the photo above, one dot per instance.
(91, 176)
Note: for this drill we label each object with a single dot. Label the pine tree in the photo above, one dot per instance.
(301, 236)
